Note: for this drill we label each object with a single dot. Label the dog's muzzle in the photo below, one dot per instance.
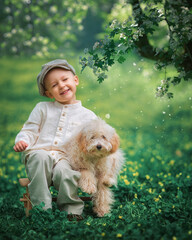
(99, 146)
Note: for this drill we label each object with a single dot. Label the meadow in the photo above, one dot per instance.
(154, 192)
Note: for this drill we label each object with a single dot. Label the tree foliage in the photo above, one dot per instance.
(39, 27)
(157, 29)
(135, 32)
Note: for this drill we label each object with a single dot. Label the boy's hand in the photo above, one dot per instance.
(20, 146)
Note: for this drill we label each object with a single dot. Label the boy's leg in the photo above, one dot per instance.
(39, 166)
(65, 181)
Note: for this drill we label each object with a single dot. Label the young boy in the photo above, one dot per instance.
(48, 127)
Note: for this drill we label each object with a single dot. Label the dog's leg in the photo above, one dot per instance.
(115, 162)
(102, 200)
(87, 182)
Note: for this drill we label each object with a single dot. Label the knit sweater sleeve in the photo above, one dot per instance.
(30, 130)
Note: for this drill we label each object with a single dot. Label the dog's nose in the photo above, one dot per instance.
(99, 147)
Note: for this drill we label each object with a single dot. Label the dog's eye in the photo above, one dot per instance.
(103, 137)
(92, 137)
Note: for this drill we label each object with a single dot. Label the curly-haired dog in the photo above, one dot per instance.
(94, 151)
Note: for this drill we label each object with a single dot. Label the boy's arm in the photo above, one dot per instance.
(30, 131)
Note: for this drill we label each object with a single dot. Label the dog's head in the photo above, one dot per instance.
(98, 139)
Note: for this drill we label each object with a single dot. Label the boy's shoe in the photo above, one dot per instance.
(75, 217)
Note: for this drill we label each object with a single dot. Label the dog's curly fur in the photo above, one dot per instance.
(94, 151)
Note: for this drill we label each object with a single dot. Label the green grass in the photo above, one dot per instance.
(153, 197)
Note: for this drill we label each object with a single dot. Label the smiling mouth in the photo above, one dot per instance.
(63, 93)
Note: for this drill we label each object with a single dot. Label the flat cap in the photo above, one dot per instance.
(60, 63)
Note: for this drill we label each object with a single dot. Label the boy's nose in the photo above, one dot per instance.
(61, 84)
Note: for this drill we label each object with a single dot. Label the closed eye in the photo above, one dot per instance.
(103, 137)
(92, 137)
(54, 85)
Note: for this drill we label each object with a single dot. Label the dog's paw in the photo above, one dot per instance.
(88, 187)
(109, 182)
(101, 211)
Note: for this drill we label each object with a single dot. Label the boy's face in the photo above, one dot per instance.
(61, 85)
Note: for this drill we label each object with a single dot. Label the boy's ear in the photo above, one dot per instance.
(48, 94)
(76, 79)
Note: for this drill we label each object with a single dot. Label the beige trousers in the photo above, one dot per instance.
(42, 172)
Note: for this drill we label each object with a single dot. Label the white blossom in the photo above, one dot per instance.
(122, 35)
(39, 54)
(53, 9)
(7, 35)
(96, 45)
(70, 9)
(27, 18)
(107, 116)
(14, 49)
(33, 39)
(13, 31)
(7, 9)
(27, 1)
(27, 43)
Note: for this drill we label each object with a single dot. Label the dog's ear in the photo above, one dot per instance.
(115, 143)
(81, 139)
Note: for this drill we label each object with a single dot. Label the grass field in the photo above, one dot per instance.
(153, 197)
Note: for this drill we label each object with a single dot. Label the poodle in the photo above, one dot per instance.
(94, 151)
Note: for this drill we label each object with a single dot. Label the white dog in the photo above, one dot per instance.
(94, 152)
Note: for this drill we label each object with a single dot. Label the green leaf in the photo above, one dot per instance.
(121, 59)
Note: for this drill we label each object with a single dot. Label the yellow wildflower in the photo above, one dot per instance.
(156, 199)
(147, 177)
(161, 184)
(172, 162)
(150, 190)
(119, 235)
(129, 163)
(133, 203)
(126, 182)
(136, 174)
(11, 168)
(102, 234)
(120, 217)
(131, 153)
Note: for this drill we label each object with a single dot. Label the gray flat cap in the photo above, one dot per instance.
(61, 63)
